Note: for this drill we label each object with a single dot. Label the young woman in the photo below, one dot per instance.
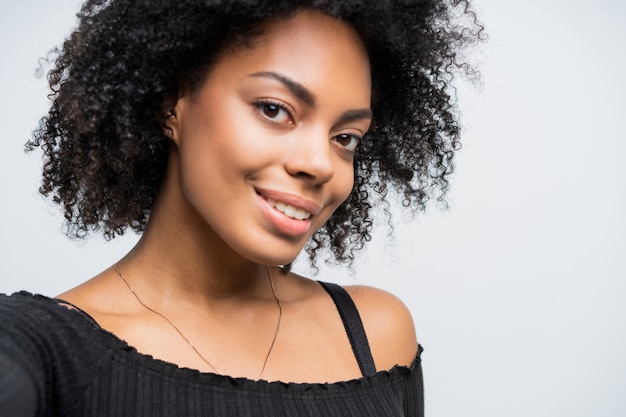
(231, 133)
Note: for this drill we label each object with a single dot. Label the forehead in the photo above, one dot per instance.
(310, 47)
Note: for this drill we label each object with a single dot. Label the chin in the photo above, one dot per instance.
(277, 259)
(271, 253)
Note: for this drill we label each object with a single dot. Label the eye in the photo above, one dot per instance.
(274, 112)
(348, 141)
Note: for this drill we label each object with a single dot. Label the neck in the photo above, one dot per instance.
(179, 273)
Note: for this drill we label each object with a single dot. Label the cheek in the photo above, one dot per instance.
(348, 186)
(220, 143)
(344, 183)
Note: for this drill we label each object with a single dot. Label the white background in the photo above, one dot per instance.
(518, 290)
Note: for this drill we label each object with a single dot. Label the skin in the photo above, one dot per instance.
(277, 120)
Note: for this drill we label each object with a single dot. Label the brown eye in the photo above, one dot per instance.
(271, 110)
(350, 142)
(274, 112)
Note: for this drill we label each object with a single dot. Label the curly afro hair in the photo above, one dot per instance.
(104, 148)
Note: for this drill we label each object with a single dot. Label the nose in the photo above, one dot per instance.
(310, 158)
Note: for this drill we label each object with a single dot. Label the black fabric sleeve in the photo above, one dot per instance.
(22, 373)
(18, 393)
(48, 352)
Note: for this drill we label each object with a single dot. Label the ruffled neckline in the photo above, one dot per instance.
(210, 379)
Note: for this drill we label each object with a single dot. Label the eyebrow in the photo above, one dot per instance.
(308, 98)
(353, 115)
(295, 87)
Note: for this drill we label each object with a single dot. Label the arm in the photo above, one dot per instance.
(18, 395)
(21, 369)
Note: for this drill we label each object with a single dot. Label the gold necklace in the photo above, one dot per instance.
(205, 360)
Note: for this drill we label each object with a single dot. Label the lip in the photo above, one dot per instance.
(282, 223)
(291, 199)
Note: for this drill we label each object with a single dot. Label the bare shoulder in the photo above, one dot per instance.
(388, 325)
(99, 297)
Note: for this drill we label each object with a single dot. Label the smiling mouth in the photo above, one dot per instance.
(288, 210)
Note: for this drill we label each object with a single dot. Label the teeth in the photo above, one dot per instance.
(289, 211)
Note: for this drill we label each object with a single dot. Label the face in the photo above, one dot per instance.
(265, 146)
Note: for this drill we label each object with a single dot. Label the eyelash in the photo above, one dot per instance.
(263, 104)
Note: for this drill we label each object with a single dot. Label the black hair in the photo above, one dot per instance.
(114, 77)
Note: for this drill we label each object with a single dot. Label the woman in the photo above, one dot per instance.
(231, 134)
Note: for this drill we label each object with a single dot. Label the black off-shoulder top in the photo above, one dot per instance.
(56, 361)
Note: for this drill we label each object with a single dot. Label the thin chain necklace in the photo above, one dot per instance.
(205, 360)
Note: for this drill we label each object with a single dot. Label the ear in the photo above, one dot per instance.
(169, 124)
(172, 108)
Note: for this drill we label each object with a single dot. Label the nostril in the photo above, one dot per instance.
(305, 175)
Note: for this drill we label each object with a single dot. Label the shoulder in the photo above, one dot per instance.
(388, 325)
(25, 320)
(37, 320)
(36, 327)
(34, 310)
(43, 341)
(26, 307)
(26, 337)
